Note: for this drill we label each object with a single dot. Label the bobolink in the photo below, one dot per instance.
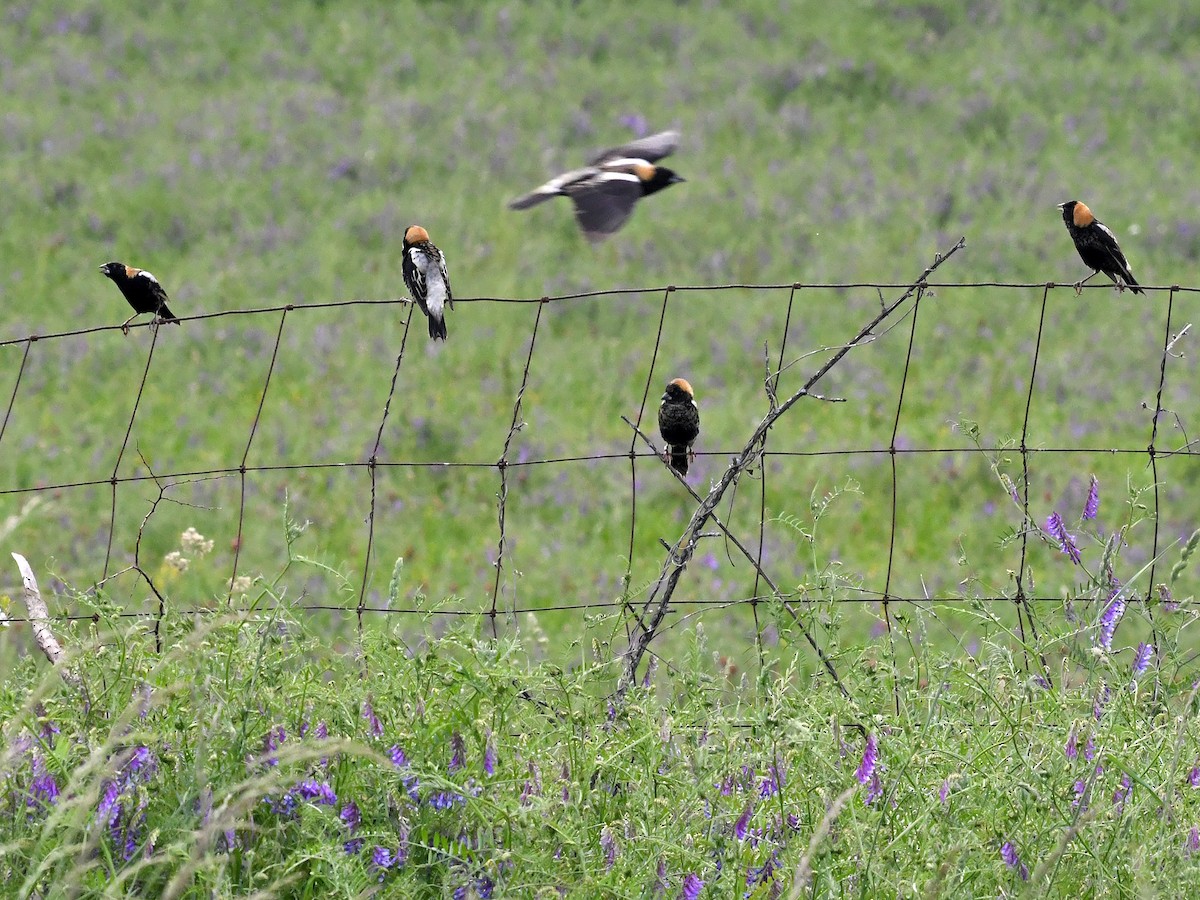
(425, 274)
(1097, 245)
(679, 424)
(142, 290)
(606, 189)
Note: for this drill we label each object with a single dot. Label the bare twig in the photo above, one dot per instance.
(39, 619)
(656, 606)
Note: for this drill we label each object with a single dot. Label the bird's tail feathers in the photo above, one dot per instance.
(533, 198)
(1132, 283)
(679, 458)
(166, 315)
(437, 327)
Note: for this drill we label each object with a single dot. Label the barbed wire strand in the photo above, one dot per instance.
(372, 469)
(502, 465)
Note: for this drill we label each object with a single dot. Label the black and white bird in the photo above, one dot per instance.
(605, 190)
(679, 424)
(1097, 246)
(425, 275)
(142, 290)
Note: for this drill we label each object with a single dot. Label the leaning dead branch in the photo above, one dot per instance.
(657, 604)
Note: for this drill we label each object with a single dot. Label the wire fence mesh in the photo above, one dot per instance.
(779, 470)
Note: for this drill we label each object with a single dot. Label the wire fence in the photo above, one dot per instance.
(642, 612)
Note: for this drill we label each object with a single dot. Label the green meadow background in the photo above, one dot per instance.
(269, 154)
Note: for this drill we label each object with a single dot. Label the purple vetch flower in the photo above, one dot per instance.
(375, 727)
(1121, 794)
(43, 789)
(352, 846)
(484, 887)
(793, 821)
(1089, 749)
(692, 885)
(350, 816)
(1141, 659)
(944, 793)
(608, 846)
(318, 792)
(446, 799)
(1110, 619)
(1193, 841)
(412, 787)
(381, 859)
(874, 789)
(110, 804)
(660, 879)
(1194, 776)
(275, 737)
(321, 731)
(1072, 747)
(1008, 853)
(866, 769)
(458, 753)
(1066, 541)
(1169, 603)
(489, 757)
(743, 822)
(402, 846)
(1092, 505)
(396, 754)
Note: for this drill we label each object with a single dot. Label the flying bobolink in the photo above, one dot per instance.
(678, 423)
(425, 274)
(606, 189)
(1097, 245)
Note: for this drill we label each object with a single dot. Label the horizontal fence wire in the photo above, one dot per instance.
(282, 318)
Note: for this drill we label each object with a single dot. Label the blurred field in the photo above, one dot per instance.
(267, 156)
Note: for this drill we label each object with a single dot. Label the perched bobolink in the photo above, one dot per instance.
(142, 290)
(678, 423)
(425, 274)
(1097, 245)
(605, 190)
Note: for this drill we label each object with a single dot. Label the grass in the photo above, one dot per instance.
(263, 157)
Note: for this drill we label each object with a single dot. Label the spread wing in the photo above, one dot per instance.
(651, 148)
(602, 206)
(553, 188)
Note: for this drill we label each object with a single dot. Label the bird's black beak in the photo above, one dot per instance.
(1060, 206)
(676, 179)
(104, 268)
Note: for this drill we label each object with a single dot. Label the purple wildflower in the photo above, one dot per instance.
(489, 757)
(402, 847)
(458, 753)
(692, 885)
(275, 737)
(1089, 749)
(381, 859)
(1072, 747)
(321, 731)
(350, 816)
(399, 759)
(1008, 853)
(944, 794)
(318, 792)
(660, 879)
(866, 769)
(1194, 776)
(43, 789)
(1066, 541)
(635, 122)
(110, 804)
(374, 725)
(1141, 660)
(412, 786)
(608, 845)
(352, 846)
(484, 887)
(445, 799)
(874, 789)
(743, 822)
(1110, 619)
(1169, 603)
(1193, 841)
(1121, 794)
(1092, 505)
